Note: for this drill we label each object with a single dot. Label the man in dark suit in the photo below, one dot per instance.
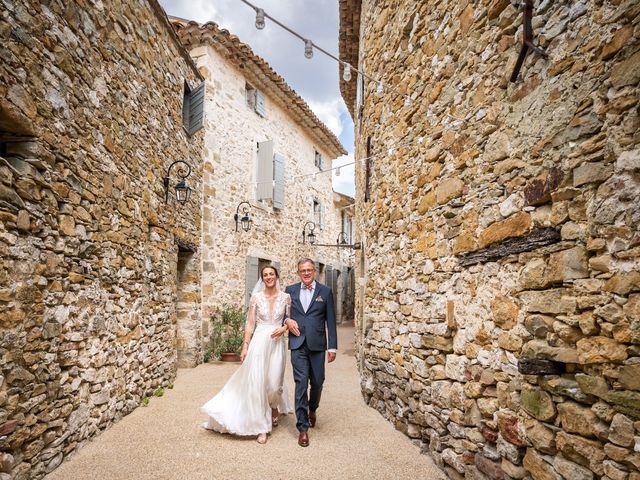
(312, 317)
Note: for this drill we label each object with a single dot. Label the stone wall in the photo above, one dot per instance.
(90, 118)
(233, 130)
(499, 297)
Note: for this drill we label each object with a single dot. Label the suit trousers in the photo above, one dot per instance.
(308, 369)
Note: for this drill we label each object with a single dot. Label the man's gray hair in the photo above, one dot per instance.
(306, 260)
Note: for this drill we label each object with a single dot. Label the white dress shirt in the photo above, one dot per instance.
(306, 294)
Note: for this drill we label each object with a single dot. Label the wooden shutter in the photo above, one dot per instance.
(260, 104)
(264, 188)
(251, 277)
(196, 109)
(278, 176)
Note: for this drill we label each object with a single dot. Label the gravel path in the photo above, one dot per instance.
(164, 440)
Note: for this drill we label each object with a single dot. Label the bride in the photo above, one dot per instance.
(251, 400)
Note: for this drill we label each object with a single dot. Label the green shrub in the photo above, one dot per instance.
(227, 332)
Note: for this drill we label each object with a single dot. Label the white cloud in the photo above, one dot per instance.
(329, 112)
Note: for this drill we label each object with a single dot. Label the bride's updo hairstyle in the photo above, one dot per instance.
(272, 268)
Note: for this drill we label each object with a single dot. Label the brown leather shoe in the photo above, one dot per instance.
(312, 418)
(303, 439)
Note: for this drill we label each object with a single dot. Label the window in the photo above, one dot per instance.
(360, 96)
(318, 213)
(193, 108)
(319, 160)
(255, 100)
(252, 273)
(278, 181)
(347, 227)
(270, 175)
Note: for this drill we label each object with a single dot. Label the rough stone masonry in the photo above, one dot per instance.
(499, 309)
(91, 97)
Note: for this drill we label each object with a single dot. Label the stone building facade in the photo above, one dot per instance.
(254, 119)
(97, 274)
(498, 302)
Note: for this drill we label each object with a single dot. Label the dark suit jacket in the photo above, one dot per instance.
(319, 319)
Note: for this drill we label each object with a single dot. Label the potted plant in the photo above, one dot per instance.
(227, 336)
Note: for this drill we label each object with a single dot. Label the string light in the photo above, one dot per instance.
(260, 23)
(308, 49)
(346, 74)
(309, 46)
(407, 100)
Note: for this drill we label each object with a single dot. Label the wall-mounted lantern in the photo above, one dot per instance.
(310, 235)
(342, 239)
(183, 191)
(244, 209)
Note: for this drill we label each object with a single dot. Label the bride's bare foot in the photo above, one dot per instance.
(262, 438)
(274, 417)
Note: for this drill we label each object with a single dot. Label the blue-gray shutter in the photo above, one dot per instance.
(264, 187)
(251, 277)
(328, 276)
(323, 163)
(260, 104)
(278, 176)
(196, 109)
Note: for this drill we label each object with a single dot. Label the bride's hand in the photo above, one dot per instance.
(243, 354)
(278, 332)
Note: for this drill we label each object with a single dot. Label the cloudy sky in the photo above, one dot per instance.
(315, 80)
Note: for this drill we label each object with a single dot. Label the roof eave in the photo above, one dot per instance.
(261, 75)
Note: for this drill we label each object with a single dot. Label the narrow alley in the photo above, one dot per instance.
(164, 440)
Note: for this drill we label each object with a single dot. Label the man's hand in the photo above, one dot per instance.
(331, 356)
(278, 332)
(293, 326)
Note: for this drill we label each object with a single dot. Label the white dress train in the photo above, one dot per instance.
(243, 406)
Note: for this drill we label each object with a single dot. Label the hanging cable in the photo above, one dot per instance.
(310, 46)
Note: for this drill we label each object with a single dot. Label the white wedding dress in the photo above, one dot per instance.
(243, 406)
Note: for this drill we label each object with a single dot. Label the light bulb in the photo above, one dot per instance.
(260, 19)
(346, 74)
(407, 100)
(379, 89)
(338, 172)
(308, 48)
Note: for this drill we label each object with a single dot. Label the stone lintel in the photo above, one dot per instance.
(535, 366)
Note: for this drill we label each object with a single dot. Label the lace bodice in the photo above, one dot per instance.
(260, 312)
